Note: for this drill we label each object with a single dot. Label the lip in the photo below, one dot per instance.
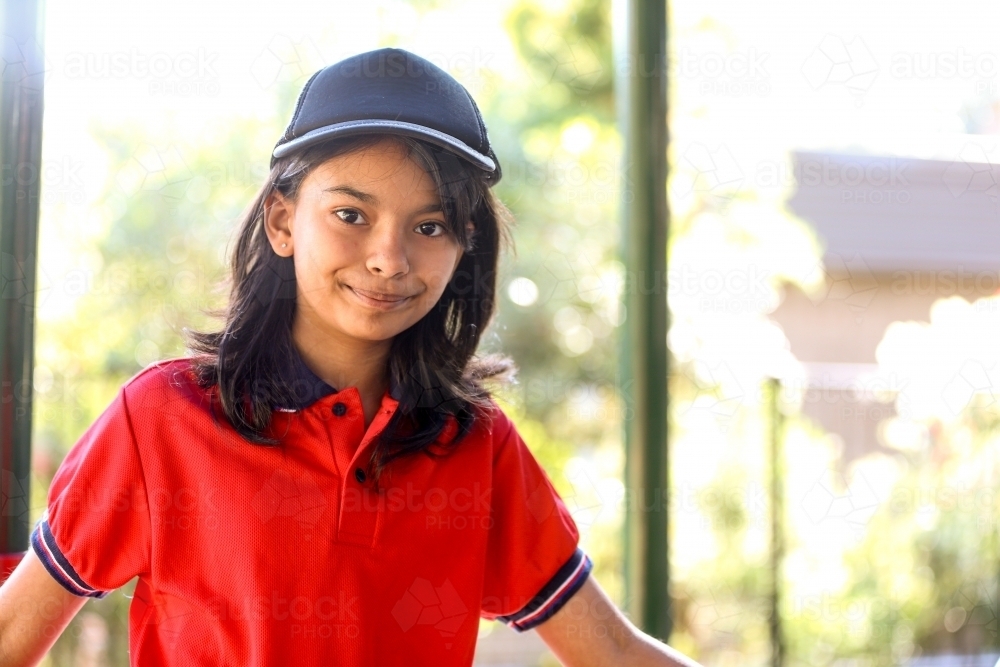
(377, 300)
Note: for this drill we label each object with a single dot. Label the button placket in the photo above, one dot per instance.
(345, 428)
(359, 514)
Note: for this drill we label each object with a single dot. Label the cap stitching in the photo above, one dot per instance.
(289, 132)
(479, 120)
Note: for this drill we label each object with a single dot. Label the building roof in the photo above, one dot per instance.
(951, 660)
(904, 213)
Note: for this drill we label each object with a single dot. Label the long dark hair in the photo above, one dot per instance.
(432, 365)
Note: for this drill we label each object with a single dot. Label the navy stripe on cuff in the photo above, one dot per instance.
(45, 547)
(553, 595)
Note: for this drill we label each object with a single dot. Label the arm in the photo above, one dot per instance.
(589, 631)
(34, 611)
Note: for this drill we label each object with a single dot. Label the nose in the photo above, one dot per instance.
(387, 252)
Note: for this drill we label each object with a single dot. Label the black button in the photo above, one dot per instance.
(339, 409)
(359, 475)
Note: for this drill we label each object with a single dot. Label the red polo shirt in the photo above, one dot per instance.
(266, 556)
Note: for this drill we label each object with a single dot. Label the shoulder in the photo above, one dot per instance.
(491, 422)
(498, 429)
(164, 384)
(490, 428)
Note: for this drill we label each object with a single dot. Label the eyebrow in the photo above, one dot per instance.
(373, 200)
(351, 192)
(430, 208)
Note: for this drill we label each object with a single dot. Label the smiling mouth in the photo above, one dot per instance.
(378, 300)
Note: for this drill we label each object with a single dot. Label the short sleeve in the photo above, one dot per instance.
(534, 562)
(95, 535)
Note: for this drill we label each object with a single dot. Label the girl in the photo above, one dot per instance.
(325, 480)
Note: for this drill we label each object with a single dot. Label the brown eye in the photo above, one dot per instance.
(431, 228)
(348, 215)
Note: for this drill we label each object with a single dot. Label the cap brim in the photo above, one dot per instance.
(370, 126)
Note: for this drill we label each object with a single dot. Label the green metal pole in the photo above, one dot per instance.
(641, 46)
(20, 158)
(777, 523)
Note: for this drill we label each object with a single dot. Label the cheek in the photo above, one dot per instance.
(318, 254)
(437, 277)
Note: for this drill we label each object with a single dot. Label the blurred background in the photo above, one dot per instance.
(834, 226)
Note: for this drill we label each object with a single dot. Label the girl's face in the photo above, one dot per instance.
(371, 249)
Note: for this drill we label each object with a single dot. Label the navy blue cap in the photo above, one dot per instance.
(390, 91)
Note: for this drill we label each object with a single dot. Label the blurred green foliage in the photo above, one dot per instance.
(915, 584)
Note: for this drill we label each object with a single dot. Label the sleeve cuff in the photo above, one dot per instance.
(44, 545)
(553, 595)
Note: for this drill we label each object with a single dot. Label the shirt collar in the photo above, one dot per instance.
(307, 387)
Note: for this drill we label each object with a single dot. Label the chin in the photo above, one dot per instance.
(374, 334)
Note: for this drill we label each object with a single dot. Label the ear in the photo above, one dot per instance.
(278, 215)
